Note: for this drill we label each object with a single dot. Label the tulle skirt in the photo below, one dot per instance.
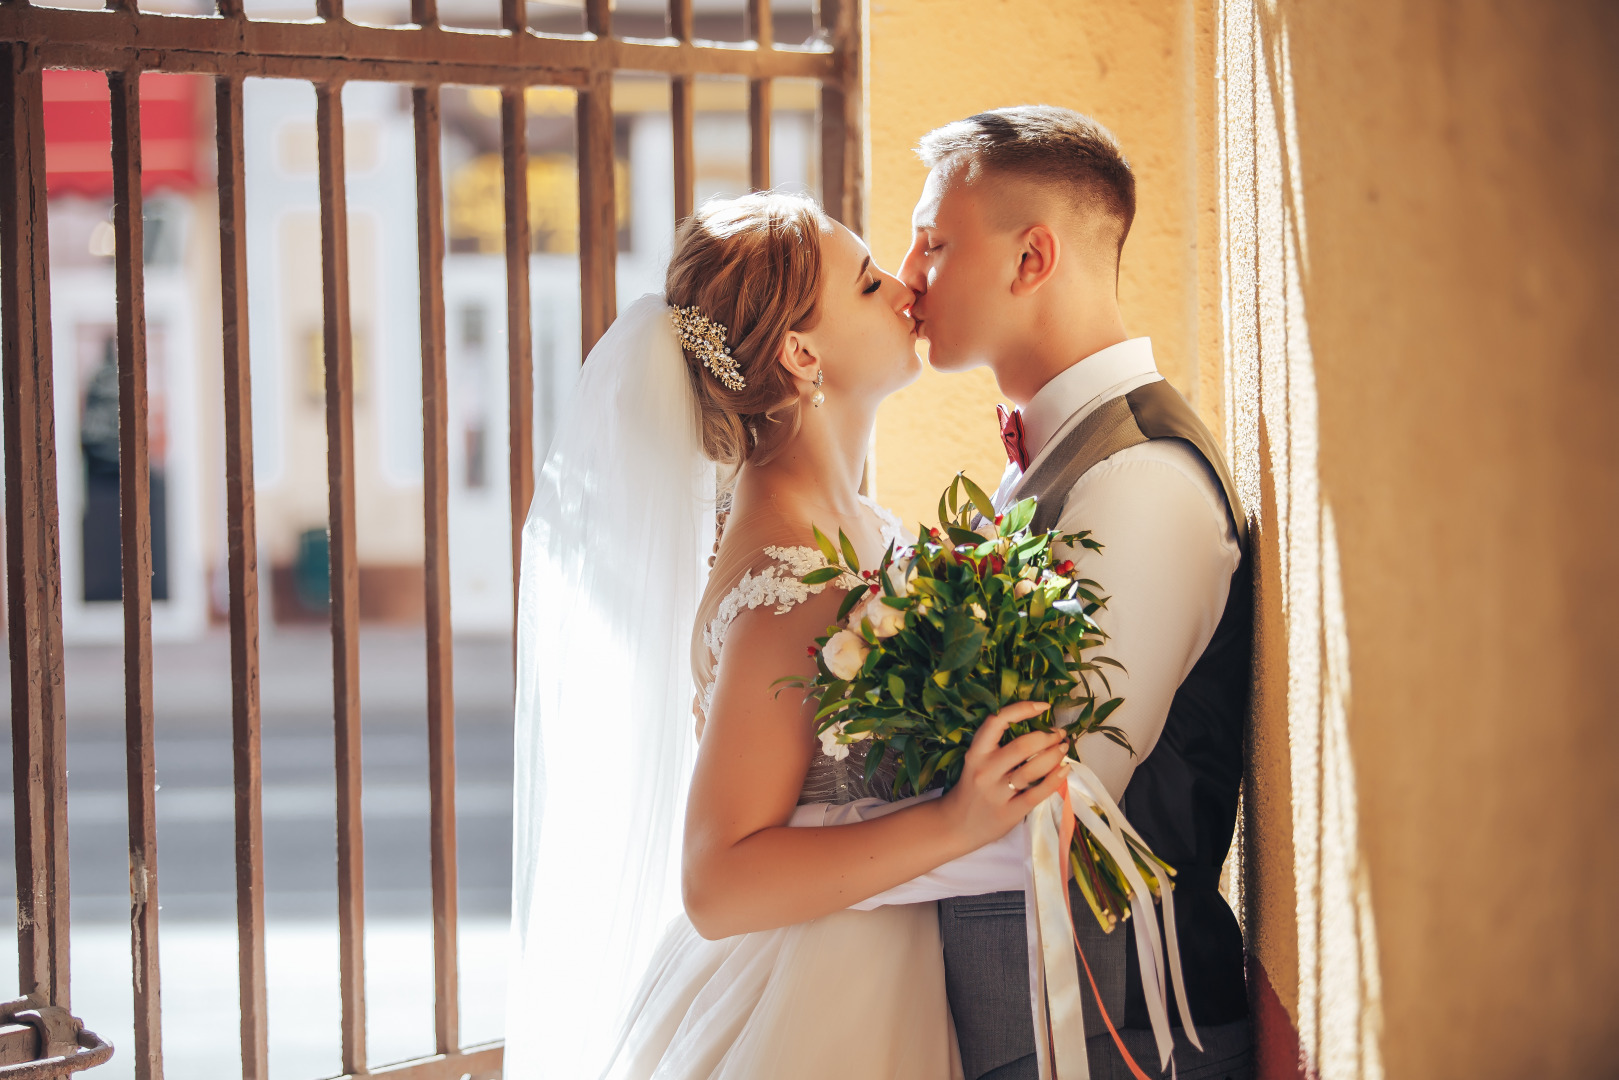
(857, 995)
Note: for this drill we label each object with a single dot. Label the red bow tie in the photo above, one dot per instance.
(1012, 435)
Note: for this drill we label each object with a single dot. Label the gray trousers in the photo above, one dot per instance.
(987, 979)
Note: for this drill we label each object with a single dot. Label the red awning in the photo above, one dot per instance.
(78, 132)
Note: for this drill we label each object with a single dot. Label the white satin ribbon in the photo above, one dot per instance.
(1054, 988)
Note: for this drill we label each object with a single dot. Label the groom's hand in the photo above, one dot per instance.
(999, 785)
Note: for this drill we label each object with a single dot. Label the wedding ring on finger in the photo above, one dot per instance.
(1015, 789)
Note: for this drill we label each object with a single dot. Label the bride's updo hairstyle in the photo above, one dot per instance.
(753, 265)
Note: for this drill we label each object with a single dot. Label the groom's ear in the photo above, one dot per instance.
(798, 356)
(1038, 252)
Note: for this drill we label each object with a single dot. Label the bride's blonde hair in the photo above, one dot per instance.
(753, 265)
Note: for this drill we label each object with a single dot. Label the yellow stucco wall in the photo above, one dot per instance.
(1454, 182)
(1407, 212)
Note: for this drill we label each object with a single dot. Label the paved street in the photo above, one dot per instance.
(195, 852)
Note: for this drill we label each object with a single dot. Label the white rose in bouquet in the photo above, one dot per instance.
(885, 621)
(844, 653)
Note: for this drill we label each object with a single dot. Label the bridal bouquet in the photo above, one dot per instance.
(936, 638)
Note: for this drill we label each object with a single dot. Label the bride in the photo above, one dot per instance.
(726, 948)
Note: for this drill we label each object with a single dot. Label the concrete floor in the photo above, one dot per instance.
(195, 851)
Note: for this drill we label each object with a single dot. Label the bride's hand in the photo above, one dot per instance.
(999, 785)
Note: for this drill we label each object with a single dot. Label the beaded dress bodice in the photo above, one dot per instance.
(774, 580)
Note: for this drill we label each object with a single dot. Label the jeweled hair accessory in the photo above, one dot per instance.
(705, 339)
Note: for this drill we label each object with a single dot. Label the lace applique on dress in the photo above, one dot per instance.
(828, 780)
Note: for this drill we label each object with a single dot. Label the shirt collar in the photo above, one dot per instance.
(1078, 386)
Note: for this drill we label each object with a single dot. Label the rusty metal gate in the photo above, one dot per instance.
(39, 1036)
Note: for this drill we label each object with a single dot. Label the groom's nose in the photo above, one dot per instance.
(912, 271)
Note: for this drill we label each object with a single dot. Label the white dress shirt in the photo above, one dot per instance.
(1169, 550)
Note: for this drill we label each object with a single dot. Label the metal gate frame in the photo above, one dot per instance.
(39, 1037)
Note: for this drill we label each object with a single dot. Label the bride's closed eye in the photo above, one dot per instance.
(873, 287)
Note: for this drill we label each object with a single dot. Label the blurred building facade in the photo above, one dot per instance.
(286, 316)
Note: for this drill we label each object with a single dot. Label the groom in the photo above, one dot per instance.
(1015, 259)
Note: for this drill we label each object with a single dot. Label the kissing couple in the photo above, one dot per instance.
(742, 905)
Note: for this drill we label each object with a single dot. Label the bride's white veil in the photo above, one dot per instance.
(614, 562)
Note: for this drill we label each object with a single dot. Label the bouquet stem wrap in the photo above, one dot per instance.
(1054, 987)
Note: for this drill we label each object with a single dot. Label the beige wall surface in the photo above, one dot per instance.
(1453, 177)
(1377, 247)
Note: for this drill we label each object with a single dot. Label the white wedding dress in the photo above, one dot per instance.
(606, 976)
(855, 995)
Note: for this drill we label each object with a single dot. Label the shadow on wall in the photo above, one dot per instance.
(1303, 891)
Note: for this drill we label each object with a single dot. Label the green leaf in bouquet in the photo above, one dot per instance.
(823, 542)
(850, 599)
(896, 688)
(1025, 549)
(1053, 656)
(823, 575)
(1008, 685)
(1105, 710)
(849, 556)
(975, 692)
(944, 510)
(955, 485)
(874, 758)
(1117, 735)
(898, 603)
(980, 500)
(873, 658)
(962, 651)
(930, 765)
(964, 536)
(1017, 517)
(941, 678)
(1072, 608)
(913, 762)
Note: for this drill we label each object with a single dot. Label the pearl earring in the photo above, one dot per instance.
(818, 397)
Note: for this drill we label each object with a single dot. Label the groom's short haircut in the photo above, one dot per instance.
(1060, 149)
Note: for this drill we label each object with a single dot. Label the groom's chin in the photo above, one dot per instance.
(939, 359)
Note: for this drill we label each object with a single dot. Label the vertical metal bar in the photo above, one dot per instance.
(33, 555)
(241, 532)
(337, 344)
(759, 99)
(759, 134)
(599, 17)
(435, 518)
(843, 146)
(680, 20)
(330, 10)
(513, 16)
(760, 26)
(519, 350)
(682, 105)
(682, 91)
(135, 537)
(598, 218)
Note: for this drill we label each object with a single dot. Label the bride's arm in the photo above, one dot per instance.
(745, 870)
